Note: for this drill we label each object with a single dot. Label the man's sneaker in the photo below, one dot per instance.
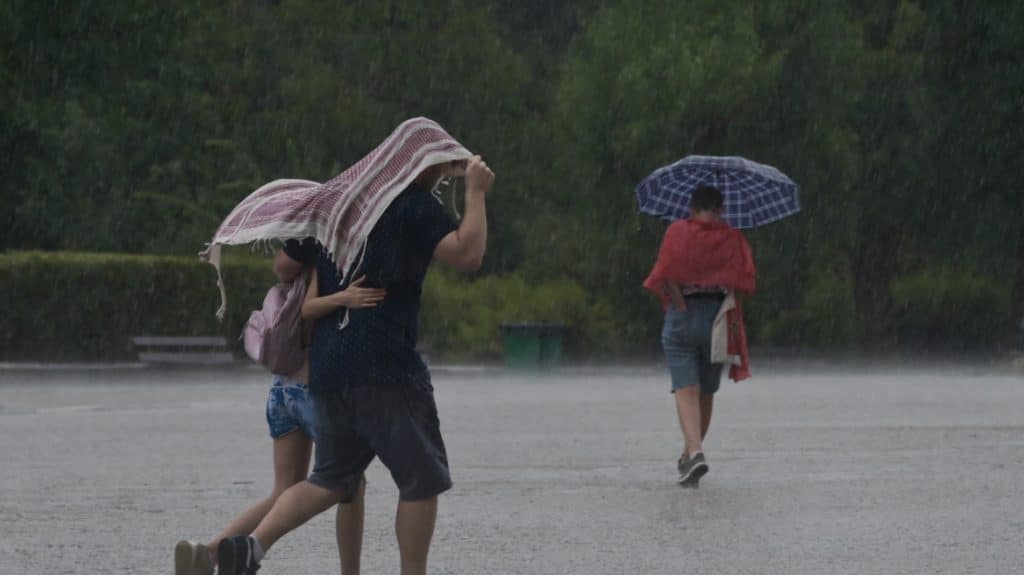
(235, 556)
(691, 483)
(691, 470)
(192, 559)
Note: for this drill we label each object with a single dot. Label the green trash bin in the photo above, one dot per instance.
(532, 345)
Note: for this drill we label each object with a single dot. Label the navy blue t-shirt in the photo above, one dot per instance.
(378, 346)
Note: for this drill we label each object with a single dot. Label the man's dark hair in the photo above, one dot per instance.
(706, 199)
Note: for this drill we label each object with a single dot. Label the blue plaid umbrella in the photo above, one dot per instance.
(755, 194)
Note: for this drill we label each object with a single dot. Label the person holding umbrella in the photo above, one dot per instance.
(703, 263)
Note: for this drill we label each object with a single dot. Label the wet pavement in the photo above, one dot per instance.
(813, 470)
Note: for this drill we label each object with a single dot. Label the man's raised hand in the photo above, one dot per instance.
(479, 178)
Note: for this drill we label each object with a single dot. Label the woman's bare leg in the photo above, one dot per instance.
(291, 464)
(349, 531)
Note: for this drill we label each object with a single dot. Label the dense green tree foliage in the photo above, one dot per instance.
(135, 126)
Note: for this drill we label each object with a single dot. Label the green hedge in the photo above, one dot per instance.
(81, 306)
(74, 306)
(937, 308)
(63, 306)
(942, 307)
(461, 318)
(824, 318)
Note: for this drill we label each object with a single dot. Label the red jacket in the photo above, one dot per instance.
(708, 254)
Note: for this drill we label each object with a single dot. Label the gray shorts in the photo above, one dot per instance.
(397, 423)
(686, 339)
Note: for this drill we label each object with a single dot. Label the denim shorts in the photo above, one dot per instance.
(289, 408)
(686, 338)
(397, 423)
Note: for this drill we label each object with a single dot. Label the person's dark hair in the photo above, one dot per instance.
(706, 199)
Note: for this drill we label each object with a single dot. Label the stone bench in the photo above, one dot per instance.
(182, 350)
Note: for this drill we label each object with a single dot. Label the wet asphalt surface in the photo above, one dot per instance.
(814, 469)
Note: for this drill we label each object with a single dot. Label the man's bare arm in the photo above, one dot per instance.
(464, 248)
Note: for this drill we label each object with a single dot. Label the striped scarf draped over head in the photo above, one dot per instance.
(341, 212)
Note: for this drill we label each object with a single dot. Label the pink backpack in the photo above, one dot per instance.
(273, 334)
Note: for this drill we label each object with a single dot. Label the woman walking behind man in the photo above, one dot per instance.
(290, 418)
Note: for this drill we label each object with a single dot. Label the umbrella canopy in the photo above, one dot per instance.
(755, 194)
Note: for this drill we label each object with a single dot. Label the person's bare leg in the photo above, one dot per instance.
(414, 525)
(707, 402)
(688, 411)
(349, 531)
(291, 463)
(297, 505)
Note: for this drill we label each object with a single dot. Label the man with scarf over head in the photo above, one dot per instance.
(702, 264)
(371, 390)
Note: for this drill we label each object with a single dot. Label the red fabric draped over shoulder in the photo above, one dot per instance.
(708, 254)
(704, 254)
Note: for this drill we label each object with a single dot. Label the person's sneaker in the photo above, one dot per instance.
(235, 556)
(691, 470)
(192, 559)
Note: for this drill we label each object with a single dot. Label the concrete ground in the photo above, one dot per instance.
(814, 469)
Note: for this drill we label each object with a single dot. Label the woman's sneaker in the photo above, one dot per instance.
(236, 556)
(192, 559)
(692, 469)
